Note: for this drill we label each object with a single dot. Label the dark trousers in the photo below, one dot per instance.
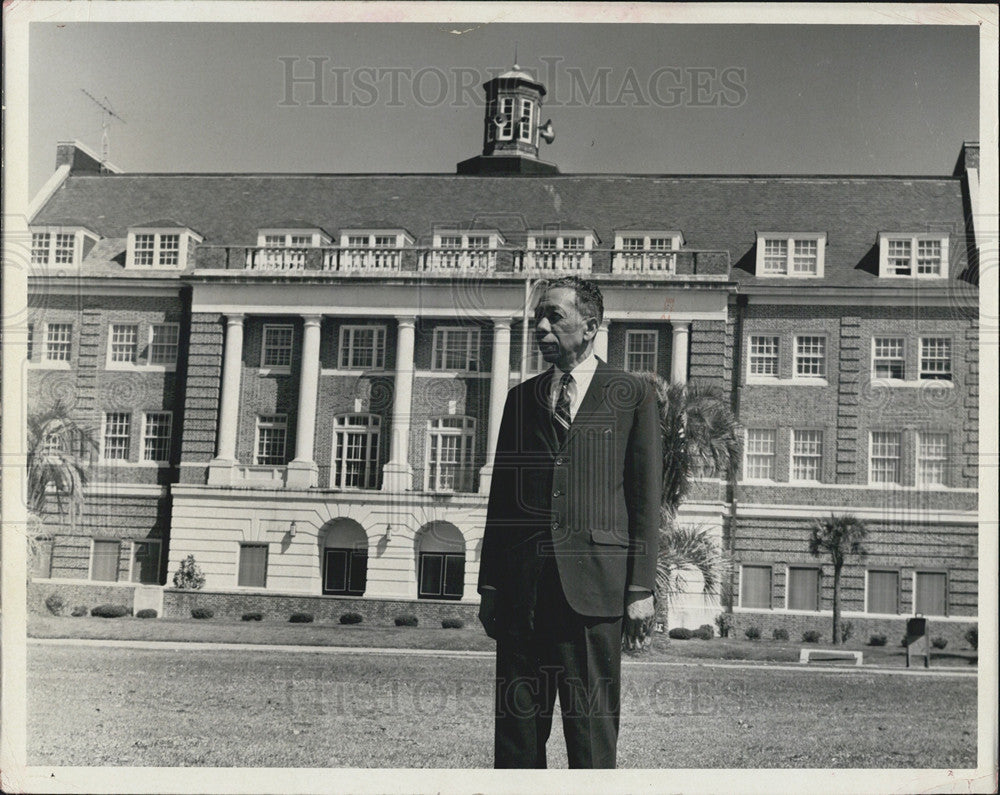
(575, 656)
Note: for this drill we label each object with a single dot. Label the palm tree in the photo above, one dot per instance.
(57, 460)
(700, 438)
(837, 537)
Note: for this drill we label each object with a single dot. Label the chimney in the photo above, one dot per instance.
(967, 158)
(81, 160)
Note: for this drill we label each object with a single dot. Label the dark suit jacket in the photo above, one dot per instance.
(593, 503)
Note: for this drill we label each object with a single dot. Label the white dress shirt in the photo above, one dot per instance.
(583, 374)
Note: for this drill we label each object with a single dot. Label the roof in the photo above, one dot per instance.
(712, 212)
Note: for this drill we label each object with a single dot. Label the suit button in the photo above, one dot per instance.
(555, 525)
(559, 462)
(556, 493)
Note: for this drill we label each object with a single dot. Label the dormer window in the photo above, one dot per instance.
(565, 250)
(163, 247)
(454, 248)
(284, 248)
(797, 254)
(60, 246)
(646, 251)
(908, 256)
(372, 249)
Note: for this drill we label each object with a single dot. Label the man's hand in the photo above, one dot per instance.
(639, 613)
(488, 612)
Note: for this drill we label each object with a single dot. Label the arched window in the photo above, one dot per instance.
(345, 558)
(356, 451)
(440, 561)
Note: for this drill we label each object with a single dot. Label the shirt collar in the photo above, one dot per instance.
(583, 369)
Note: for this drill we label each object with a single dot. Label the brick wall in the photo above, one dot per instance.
(201, 411)
(77, 594)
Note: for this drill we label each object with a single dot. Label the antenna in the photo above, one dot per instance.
(515, 55)
(107, 114)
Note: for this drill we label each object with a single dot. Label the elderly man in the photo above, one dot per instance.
(569, 551)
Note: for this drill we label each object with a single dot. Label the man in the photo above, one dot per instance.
(569, 550)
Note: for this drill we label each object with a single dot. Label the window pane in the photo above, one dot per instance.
(931, 597)
(884, 463)
(898, 257)
(163, 344)
(58, 341)
(775, 256)
(146, 562)
(431, 565)
(156, 442)
(144, 246)
(806, 257)
(335, 574)
(169, 250)
(65, 245)
(760, 454)
(803, 589)
(277, 346)
(883, 592)
(929, 257)
(454, 575)
(253, 565)
(40, 242)
(640, 353)
(271, 434)
(358, 579)
(105, 561)
(764, 356)
(888, 359)
(935, 358)
(810, 356)
(755, 587)
(124, 343)
(117, 435)
(807, 454)
(932, 457)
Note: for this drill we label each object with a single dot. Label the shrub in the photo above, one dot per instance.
(704, 632)
(752, 632)
(55, 604)
(252, 617)
(452, 623)
(679, 633)
(939, 642)
(351, 618)
(972, 637)
(724, 621)
(846, 630)
(189, 577)
(79, 610)
(201, 612)
(811, 636)
(408, 620)
(300, 618)
(779, 633)
(146, 612)
(110, 611)
(877, 640)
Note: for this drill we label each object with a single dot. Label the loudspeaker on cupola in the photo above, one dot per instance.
(512, 130)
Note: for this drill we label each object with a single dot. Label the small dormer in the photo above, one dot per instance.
(160, 245)
(61, 245)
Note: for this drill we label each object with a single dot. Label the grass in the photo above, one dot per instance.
(122, 706)
(470, 637)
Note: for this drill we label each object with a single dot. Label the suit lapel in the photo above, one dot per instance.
(592, 401)
(543, 415)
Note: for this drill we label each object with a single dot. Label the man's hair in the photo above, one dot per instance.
(589, 301)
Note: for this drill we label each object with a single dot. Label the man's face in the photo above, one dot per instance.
(563, 334)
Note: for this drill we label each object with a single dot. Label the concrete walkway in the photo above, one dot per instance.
(157, 645)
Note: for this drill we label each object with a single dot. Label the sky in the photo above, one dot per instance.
(404, 97)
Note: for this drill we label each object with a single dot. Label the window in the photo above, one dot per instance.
(810, 357)
(935, 359)
(554, 251)
(932, 458)
(646, 251)
(790, 255)
(104, 560)
(922, 256)
(755, 587)
(362, 347)
(456, 249)
(456, 349)
(884, 462)
(449, 454)
(640, 351)
(356, 448)
(272, 430)
(759, 454)
(807, 455)
(277, 349)
(163, 339)
(372, 249)
(117, 435)
(156, 435)
(150, 248)
(31, 341)
(146, 562)
(442, 575)
(59, 247)
(930, 593)
(526, 126)
(169, 250)
(58, 342)
(145, 250)
(763, 356)
(506, 131)
(802, 589)
(123, 344)
(65, 248)
(883, 592)
(345, 571)
(253, 566)
(40, 244)
(889, 358)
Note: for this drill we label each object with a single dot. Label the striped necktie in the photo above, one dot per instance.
(561, 416)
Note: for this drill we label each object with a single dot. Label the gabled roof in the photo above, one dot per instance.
(712, 212)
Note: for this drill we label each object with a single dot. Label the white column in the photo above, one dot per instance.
(221, 468)
(679, 353)
(499, 382)
(397, 475)
(302, 470)
(601, 341)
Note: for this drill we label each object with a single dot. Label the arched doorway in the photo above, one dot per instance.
(440, 561)
(345, 558)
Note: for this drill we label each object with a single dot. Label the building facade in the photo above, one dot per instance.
(298, 379)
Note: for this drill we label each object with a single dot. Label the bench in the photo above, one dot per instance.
(829, 655)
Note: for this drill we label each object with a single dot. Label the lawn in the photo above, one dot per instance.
(434, 637)
(121, 706)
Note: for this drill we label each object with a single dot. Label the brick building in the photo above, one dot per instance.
(298, 378)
